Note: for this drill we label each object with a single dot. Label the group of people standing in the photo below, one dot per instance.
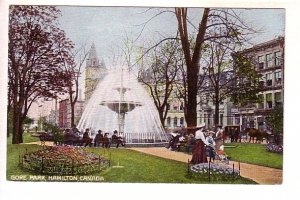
(203, 143)
(206, 141)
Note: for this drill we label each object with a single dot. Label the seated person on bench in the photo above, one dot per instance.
(86, 138)
(98, 139)
(116, 139)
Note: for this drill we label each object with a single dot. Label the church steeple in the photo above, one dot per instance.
(92, 60)
(94, 72)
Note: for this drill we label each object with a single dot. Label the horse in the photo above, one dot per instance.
(255, 133)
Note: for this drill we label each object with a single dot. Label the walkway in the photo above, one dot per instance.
(260, 174)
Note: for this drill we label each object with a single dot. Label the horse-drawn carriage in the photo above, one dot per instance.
(233, 133)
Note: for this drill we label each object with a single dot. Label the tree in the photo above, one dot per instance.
(214, 24)
(246, 85)
(236, 79)
(275, 121)
(73, 70)
(192, 58)
(161, 76)
(37, 50)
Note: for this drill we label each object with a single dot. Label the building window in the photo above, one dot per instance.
(269, 79)
(221, 119)
(278, 78)
(269, 60)
(175, 122)
(278, 98)
(181, 122)
(261, 101)
(261, 81)
(278, 58)
(181, 106)
(208, 120)
(260, 62)
(237, 120)
(175, 106)
(269, 100)
(168, 106)
(168, 121)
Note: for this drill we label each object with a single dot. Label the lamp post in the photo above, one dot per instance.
(40, 119)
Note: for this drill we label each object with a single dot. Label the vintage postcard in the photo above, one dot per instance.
(152, 94)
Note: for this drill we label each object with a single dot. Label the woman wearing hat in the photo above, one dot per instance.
(199, 153)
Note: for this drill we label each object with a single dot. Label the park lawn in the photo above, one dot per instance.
(254, 154)
(137, 167)
(27, 138)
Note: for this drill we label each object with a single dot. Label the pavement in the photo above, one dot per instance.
(259, 174)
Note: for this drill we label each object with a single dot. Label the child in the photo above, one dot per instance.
(222, 155)
(211, 146)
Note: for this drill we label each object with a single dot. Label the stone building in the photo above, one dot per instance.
(65, 113)
(268, 60)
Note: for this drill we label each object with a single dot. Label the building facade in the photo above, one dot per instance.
(94, 71)
(65, 113)
(268, 60)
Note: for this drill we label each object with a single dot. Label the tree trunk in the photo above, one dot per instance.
(72, 114)
(17, 127)
(217, 112)
(192, 80)
(161, 117)
(217, 104)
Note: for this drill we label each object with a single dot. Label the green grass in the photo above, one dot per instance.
(27, 138)
(254, 154)
(137, 167)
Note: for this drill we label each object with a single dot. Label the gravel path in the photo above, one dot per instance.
(260, 174)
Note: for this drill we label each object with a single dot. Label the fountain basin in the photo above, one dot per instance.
(121, 106)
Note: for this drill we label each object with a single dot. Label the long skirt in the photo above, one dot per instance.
(219, 143)
(199, 153)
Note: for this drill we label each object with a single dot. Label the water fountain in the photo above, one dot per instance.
(121, 103)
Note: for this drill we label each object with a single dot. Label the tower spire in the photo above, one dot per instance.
(92, 60)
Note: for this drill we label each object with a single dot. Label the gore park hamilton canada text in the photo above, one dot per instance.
(145, 95)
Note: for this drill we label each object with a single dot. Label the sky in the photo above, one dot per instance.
(109, 27)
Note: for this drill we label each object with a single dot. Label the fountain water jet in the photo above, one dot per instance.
(120, 102)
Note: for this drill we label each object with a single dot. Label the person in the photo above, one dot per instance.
(232, 134)
(116, 139)
(199, 154)
(211, 146)
(86, 138)
(219, 137)
(75, 131)
(173, 144)
(236, 134)
(105, 143)
(98, 139)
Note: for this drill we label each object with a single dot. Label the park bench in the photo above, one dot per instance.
(185, 146)
(115, 142)
(46, 137)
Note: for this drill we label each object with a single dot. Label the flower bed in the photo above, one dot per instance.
(274, 148)
(216, 171)
(63, 160)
